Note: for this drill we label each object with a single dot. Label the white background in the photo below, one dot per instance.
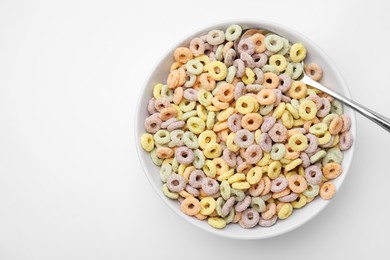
(71, 186)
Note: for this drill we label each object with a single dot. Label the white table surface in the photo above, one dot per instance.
(71, 186)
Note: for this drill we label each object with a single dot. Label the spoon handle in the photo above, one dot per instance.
(382, 121)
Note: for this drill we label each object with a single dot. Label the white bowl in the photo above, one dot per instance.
(332, 79)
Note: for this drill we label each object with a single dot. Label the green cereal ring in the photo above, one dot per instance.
(258, 204)
(218, 52)
(336, 107)
(233, 32)
(162, 137)
(327, 119)
(186, 105)
(165, 171)
(217, 86)
(333, 155)
(277, 151)
(199, 159)
(168, 193)
(286, 47)
(204, 97)
(157, 161)
(231, 74)
(191, 79)
(175, 165)
(210, 121)
(311, 191)
(295, 103)
(177, 137)
(270, 68)
(190, 140)
(189, 114)
(239, 195)
(219, 205)
(297, 70)
(318, 129)
(265, 109)
(229, 218)
(289, 70)
(215, 37)
(194, 67)
(317, 156)
(167, 92)
(273, 43)
(225, 189)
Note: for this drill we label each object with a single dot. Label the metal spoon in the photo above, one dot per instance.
(381, 120)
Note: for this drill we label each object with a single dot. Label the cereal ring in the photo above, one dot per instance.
(190, 206)
(176, 182)
(324, 109)
(217, 70)
(313, 174)
(168, 113)
(212, 150)
(253, 154)
(248, 77)
(284, 82)
(346, 141)
(297, 52)
(182, 55)
(207, 82)
(265, 142)
(227, 207)
(152, 124)
(277, 151)
(246, 46)
(251, 121)
(258, 40)
(335, 126)
(184, 155)
(233, 32)
(297, 183)
(147, 142)
(285, 211)
(266, 97)
(278, 61)
(216, 222)
(215, 37)
(336, 107)
(190, 140)
(161, 103)
(268, 123)
(273, 43)
(314, 71)
(327, 190)
(258, 204)
(196, 178)
(243, 138)
(249, 218)
(279, 184)
(311, 191)
(297, 90)
(278, 133)
(197, 46)
(225, 189)
(268, 222)
(298, 142)
(332, 170)
(196, 125)
(199, 159)
(208, 205)
(271, 80)
(317, 156)
(240, 66)
(346, 123)
(307, 110)
(248, 60)
(225, 92)
(210, 186)
(239, 195)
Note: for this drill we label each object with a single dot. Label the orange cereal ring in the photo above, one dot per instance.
(182, 76)
(332, 170)
(309, 123)
(226, 47)
(266, 96)
(297, 183)
(252, 32)
(267, 186)
(219, 104)
(219, 126)
(225, 92)
(327, 190)
(251, 121)
(256, 189)
(200, 216)
(237, 217)
(173, 79)
(164, 152)
(270, 211)
(271, 80)
(285, 192)
(258, 40)
(183, 54)
(335, 126)
(297, 90)
(190, 206)
(178, 95)
(167, 113)
(290, 153)
(175, 66)
(207, 82)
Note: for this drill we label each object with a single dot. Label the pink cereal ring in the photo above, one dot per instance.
(229, 157)
(279, 184)
(314, 71)
(176, 182)
(248, 60)
(284, 82)
(240, 66)
(243, 205)
(184, 155)
(265, 142)
(234, 122)
(196, 178)
(346, 141)
(191, 190)
(313, 143)
(324, 109)
(268, 123)
(346, 123)
(246, 46)
(197, 46)
(191, 94)
(260, 59)
(151, 108)
(253, 154)
(244, 138)
(278, 133)
(305, 159)
(316, 99)
(288, 198)
(152, 124)
(229, 57)
(249, 218)
(239, 90)
(165, 124)
(161, 103)
(268, 222)
(210, 186)
(176, 125)
(313, 174)
(227, 207)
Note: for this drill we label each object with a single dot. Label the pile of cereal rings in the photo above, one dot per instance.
(238, 137)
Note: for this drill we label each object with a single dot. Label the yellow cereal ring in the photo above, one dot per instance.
(210, 121)
(206, 137)
(274, 170)
(298, 122)
(225, 175)
(221, 165)
(285, 211)
(297, 52)
(279, 110)
(248, 77)
(254, 175)
(212, 150)
(293, 111)
(297, 90)
(287, 119)
(325, 138)
(217, 70)
(147, 142)
(186, 105)
(207, 206)
(209, 169)
(157, 90)
(302, 200)
(245, 104)
(293, 164)
(168, 193)
(307, 110)
(216, 222)
(298, 142)
(236, 178)
(204, 59)
(201, 112)
(181, 169)
(187, 171)
(230, 143)
(241, 185)
(278, 61)
(265, 160)
(196, 125)
(184, 194)
(224, 115)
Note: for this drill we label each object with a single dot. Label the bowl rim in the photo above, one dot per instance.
(220, 24)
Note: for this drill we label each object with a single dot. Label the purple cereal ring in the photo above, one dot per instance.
(184, 155)
(279, 184)
(176, 125)
(196, 178)
(230, 55)
(268, 123)
(265, 142)
(227, 207)
(286, 99)
(253, 88)
(191, 190)
(165, 124)
(278, 95)
(313, 174)
(191, 94)
(215, 195)
(305, 159)
(151, 108)
(244, 138)
(239, 90)
(161, 103)
(176, 182)
(253, 154)
(284, 82)
(234, 122)
(324, 109)
(152, 124)
(240, 66)
(208, 48)
(248, 60)
(268, 222)
(249, 218)
(288, 198)
(260, 59)
(210, 186)
(259, 76)
(313, 143)
(239, 160)
(316, 99)
(244, 204)
(229, 157)
(278, 133)
(244, 167)
(246, 46)
(346, 123)
(197, 46)
(346, 141)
